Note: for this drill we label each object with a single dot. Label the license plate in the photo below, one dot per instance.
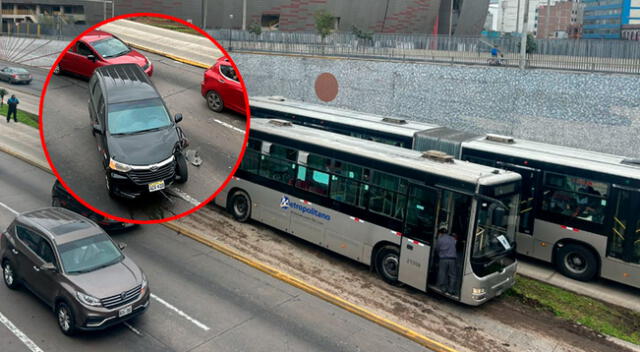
(124, 311)
(156, 186)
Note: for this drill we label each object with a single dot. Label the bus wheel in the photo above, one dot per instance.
(577, 262)
(387, 263)
(240, 206)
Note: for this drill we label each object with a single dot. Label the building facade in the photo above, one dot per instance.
(460, 17)
(604, 19)
(561, 20)
(631, 32)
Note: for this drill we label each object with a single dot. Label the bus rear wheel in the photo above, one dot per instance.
(577, 262)
(239, 206)
(387, 263)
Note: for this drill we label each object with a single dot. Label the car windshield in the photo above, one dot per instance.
(110, 47)
(137, 116)
(19, 70)
(89, 254)
(495, 227)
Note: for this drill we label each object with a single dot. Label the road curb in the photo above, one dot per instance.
(315, 291)
(170, 56)
(40, 165)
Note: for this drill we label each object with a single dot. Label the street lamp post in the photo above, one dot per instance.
(450, 18)
(244, 15)
(230, 25)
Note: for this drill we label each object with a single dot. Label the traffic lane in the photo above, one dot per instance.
(35, 87)
(236, 301)
(24, 187)
(230, 298)
(218, 145)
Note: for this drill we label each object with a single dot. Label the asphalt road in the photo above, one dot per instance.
(35, 87)
(243, 309)
(216, 136)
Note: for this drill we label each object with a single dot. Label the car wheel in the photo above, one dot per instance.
(577, 262)
(182, 172)
(66, 321)
(9, 275)
(387, 264)
(56, 71)
(214, 101)
(240, 206)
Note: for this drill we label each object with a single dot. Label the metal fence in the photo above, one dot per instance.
(567, 54)
(54, 30)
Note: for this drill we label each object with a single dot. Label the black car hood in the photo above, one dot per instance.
(143, 148)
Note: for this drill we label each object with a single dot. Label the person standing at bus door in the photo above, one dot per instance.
(13, 108)
(446, 250)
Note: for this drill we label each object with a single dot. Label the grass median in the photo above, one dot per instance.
(601, 317)
(27, 118)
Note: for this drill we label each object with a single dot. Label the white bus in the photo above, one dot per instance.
(381, 205)
(579, 209)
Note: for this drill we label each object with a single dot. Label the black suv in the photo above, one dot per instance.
(61, 198)
(140, 144)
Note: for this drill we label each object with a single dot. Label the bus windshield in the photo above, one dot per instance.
(494, 236)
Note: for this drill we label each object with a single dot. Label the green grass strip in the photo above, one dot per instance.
(27, 118)
(601, 317)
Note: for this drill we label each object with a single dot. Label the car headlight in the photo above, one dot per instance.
(114, 165)
(145, 284)
(88, 300)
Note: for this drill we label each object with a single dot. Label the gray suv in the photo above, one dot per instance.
(73, 266)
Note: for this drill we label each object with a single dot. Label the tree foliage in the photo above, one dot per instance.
(255, 28)
(325, 22)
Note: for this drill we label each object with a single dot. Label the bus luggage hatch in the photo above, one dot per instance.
(414, 263)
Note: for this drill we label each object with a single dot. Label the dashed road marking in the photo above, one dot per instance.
(229, 126)
(19, 334)
(180, 313)
(134, 330)
(184, 196)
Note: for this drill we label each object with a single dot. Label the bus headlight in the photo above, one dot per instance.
(478, 293)
(114, 165)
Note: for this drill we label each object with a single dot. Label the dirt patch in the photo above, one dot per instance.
(499, 326)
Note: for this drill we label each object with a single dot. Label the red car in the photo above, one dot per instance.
(222, 89)
(97, 49)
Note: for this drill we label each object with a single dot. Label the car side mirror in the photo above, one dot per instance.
(48, 267)
(178, 117)
(91, 57)
(122, 245)
(97, 128)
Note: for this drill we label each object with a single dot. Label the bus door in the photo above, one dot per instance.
(527, 209)
(420, 223)
(624, 229)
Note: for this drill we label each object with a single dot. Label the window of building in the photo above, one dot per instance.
(279, 164)
(270, 21)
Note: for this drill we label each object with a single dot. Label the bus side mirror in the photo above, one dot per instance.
(178, 117)
(91, 57)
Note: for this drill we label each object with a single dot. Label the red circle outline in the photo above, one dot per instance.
(244, 143)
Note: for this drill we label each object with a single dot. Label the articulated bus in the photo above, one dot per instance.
(578, 210)
(381, 205)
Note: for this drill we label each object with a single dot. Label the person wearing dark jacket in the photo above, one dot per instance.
(446, 250)
(13, 108)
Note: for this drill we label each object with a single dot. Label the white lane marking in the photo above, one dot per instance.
(180, 313)
(9, 208)
(135, 331)
(229, 126)
(184, 196)
(19, 334)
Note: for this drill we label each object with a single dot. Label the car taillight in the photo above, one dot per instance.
(15, 76)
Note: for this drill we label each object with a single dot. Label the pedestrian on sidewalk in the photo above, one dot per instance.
(13, 108)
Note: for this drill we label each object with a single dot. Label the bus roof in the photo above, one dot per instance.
(407, 158)
(379, 123)
(556, 154)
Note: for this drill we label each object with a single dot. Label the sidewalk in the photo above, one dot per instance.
(28, 102)
(188, 47)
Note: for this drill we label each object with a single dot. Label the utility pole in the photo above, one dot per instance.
(523, 40)
(450, 18)
(204, 14)
(518, 17)
(244, 15)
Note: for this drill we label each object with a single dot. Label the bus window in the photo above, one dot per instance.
(635, 255)
(344, 190)
(279, 165)
(421, 213)
(574, 197)
(619, 226)
(251, 159)
(387, 194)
(313, 181)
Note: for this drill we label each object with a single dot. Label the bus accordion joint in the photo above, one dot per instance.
(437, 155)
